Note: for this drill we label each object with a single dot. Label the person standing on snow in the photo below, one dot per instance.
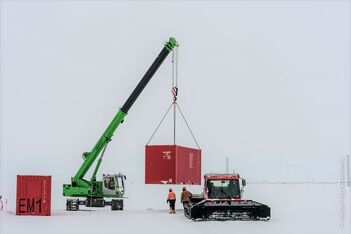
(171, 199)
(185, 197)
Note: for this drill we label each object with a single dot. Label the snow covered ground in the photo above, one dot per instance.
(299, 208)
(264, 83)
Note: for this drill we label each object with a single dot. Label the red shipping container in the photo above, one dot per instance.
(33, 195)
(172, 164)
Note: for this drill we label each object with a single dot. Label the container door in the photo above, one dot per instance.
(159, 164)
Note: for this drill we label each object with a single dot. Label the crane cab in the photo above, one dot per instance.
(113, 185)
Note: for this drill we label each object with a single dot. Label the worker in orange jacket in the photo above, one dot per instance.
(171, 199)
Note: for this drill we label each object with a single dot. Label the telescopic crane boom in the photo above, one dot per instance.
(112, 185)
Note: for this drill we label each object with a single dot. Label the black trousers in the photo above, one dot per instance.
(172, 204)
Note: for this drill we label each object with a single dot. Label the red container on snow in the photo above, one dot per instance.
(172, 164)
(33, 195)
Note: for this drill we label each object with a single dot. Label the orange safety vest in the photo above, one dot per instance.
(171, 196)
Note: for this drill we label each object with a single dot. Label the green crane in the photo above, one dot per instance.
(112, 186)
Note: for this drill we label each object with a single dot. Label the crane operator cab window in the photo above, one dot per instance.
(109, 182)
(223, 189)
(113, 184)
(120, 181)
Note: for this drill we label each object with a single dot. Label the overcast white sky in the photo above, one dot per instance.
(266, 84)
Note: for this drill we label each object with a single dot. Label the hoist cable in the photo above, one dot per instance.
(174, 90)
(176, 70)
(174, 103)
(173, 75)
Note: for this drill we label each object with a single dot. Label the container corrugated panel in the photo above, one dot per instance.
(172, 164)
(159, 164)
(33, 195)
(188, 165)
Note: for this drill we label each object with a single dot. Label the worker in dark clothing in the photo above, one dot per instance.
(185, 197)
(1, 203)
(171, 199)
